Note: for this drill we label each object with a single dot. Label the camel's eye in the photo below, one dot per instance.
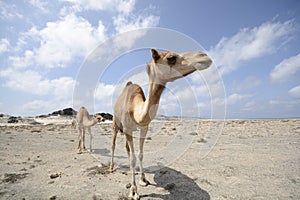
(202, 54)
(171, 60)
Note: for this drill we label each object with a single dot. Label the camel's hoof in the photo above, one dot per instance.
(111, 169)
(133, 196)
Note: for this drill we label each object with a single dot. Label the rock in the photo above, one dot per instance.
(53, 197)
(55, 175)
(12, 178)
(43, 116)
(69, 112)
(12, 119)
(106, 116)
(65, 112)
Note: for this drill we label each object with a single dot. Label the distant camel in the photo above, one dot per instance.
(133, 110)
(84, 120)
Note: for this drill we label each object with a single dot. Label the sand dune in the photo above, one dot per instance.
(184, 159)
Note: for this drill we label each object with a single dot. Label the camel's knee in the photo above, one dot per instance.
(79, 144)
(91, 145)
(133, 160)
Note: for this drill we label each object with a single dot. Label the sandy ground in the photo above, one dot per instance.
(252, 159)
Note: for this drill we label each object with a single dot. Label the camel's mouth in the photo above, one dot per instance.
(99, 118)
(198, 60)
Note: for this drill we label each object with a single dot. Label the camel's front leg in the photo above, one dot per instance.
(91, 138)
(133, 189)
(143, 181)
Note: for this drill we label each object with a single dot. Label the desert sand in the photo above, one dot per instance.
(184, 159)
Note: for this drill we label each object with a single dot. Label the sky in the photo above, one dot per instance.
(46, 47)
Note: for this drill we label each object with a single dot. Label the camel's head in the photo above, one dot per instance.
(168, 66)
(99, 118)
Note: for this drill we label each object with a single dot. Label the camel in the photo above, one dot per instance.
(84, 121)
(133, 110)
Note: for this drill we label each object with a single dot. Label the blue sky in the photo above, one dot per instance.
(254, 46)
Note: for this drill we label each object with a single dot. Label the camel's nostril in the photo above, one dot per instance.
(209, 62)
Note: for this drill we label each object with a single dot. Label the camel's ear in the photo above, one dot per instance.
(155, 54)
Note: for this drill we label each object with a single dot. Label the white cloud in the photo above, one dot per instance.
(38, 107)
(104, 91)
(103, 97)
(247, 83)
(70, 37)
(33, 83)
(286, 69)
(23, 61)
(126, 20)
(295, 92)
(4, 45)
(106, 94)
(62, 87)
(249, 43)
(93, 4)
(122, 6)
(126, 7)
(234, 98)
(124, 23)
(62, 41)
(231, 99)
(250, 106)
(282, 104)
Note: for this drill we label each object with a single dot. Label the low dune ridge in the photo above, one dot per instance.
(252, 159)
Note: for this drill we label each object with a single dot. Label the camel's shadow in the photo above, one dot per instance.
(178, 185)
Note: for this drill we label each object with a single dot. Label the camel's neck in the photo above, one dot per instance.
(150, 105)
(89, 122)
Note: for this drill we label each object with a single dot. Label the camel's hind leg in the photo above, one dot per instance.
(115, 130)
(133, 189)
(143, 181)
(83, 138)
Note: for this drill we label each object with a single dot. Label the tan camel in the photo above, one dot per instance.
(84, 121)
(133, 110)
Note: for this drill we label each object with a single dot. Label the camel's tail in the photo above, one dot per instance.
(74, 123)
